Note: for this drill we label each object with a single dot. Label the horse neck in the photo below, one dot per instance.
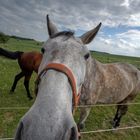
(92, 80)
(94, 68)
(94, 74)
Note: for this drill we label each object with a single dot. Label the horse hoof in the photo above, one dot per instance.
(115, 124)
(30, 98)
(11, 92)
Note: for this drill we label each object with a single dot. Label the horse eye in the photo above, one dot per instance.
(86, 56)
(42, 50)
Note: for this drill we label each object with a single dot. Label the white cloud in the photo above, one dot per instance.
(125, 3)
(130, 35)
(27, 18)
(126, 43)
(73, 14)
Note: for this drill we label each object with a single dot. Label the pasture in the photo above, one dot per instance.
(99, 117)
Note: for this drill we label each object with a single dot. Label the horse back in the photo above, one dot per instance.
(30, 61)
(109, 83)
(119, 80)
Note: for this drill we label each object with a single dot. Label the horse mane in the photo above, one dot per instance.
(65, 33)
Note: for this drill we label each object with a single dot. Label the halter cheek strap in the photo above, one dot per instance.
(67, 71)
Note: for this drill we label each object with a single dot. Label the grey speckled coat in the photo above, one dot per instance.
(107, 84)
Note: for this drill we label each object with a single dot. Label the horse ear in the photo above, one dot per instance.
(51, 27)
(89, 36)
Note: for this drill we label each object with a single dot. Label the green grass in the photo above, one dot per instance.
(99, 117)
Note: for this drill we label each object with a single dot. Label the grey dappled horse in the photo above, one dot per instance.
(117, 83)
(50, 117)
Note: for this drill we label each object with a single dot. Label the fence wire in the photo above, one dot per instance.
(84, 106)
(113, 129)
(95, 131)
(6, 138)
(80, 106)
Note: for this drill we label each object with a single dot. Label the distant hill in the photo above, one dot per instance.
(21, 38)
(100, 52)
(17, 37)
(109, 54)
(3, 38)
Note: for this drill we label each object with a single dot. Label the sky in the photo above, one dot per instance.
(119, 34)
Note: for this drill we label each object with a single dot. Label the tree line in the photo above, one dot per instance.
(4, 38)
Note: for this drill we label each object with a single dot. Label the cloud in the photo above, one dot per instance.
(125, 3)
(27, 18)
(78, 14)
(126, 43)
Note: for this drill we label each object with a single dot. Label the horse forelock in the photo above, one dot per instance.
(63, 33)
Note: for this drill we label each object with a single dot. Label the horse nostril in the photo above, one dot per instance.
(75, 135)
(42, 50)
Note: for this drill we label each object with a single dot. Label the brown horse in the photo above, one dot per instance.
(28, 62)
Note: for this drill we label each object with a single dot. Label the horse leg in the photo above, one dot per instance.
(84, 112)
(121, 110)
(26, 84)
(17, 78)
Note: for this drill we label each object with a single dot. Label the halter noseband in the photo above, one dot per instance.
(67, 71)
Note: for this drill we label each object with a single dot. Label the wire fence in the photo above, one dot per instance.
(14, 108)
(80, 106)
(83, 106)
(108, 130)
(6, 138)
(107, 105)
(95, 131)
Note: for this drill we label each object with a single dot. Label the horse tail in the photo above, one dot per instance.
(10, 54)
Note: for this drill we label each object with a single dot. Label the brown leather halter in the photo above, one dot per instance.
(67, 71)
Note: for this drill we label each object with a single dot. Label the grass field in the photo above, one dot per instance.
(99, 117)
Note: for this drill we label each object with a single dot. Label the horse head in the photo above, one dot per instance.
(61, 75)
